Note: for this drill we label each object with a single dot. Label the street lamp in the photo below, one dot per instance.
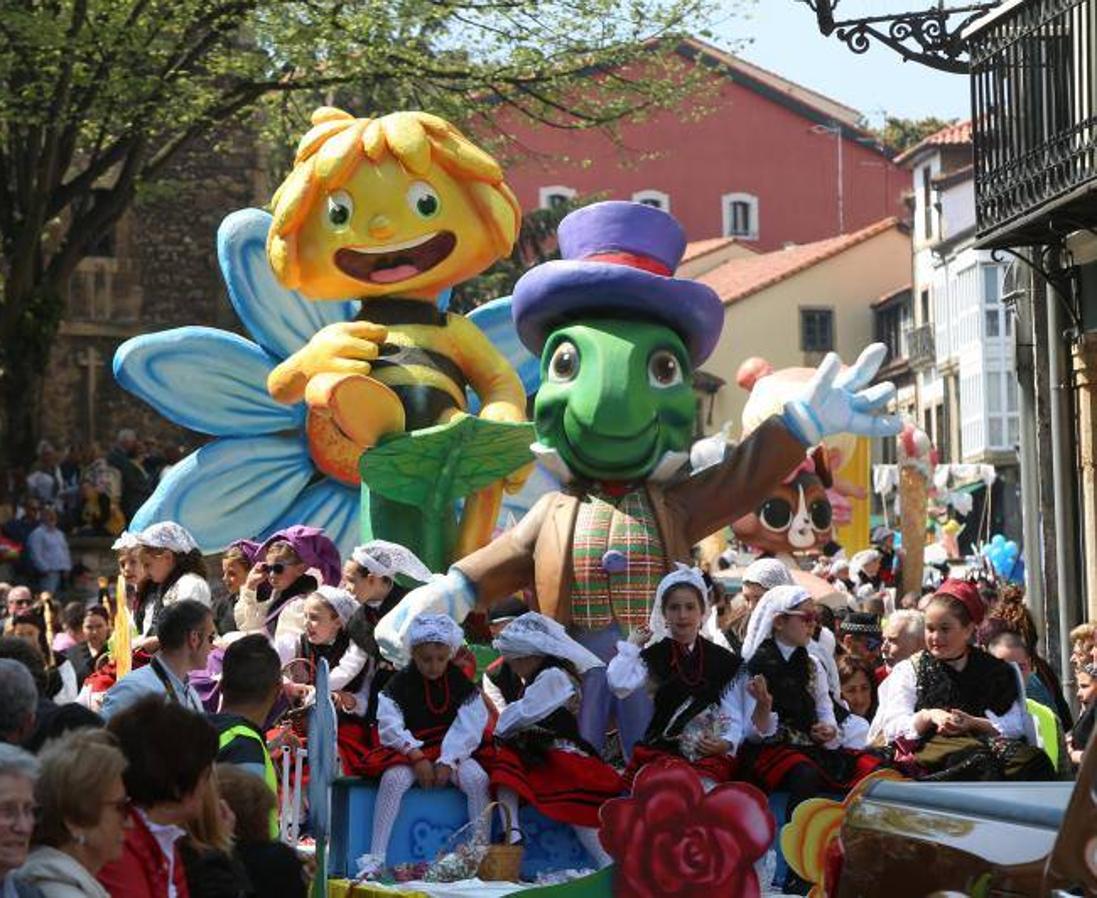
(836, 130)
(933, 37)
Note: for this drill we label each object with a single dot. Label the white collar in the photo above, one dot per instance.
(668, 467)
(784, 648)
(166, 834)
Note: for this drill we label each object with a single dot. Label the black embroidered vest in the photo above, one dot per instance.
(985, 683)
(791, 683)
(685, 685)
(430, 707)
(333, 654)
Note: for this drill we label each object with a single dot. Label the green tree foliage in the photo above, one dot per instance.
(902, 133)
(99, 97)
(536, 243)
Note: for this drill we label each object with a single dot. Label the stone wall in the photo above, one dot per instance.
(163, 273)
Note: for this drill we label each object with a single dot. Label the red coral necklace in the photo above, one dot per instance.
(679, 661)
(434, 709)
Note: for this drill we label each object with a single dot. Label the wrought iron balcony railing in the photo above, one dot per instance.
(1034, 105)
(921, 346)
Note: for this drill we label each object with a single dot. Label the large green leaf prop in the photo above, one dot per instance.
(411, 482)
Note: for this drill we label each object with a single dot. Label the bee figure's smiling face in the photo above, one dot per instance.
(386, 231)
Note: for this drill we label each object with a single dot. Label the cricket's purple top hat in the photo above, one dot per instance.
(618, 260)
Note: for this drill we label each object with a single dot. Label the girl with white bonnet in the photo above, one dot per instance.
(702, 707)
(369, 575)
(431, 718)
(539, 755)
(327, 611)
(803, 756)
(174, 571)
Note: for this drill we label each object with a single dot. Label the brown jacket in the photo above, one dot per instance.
(537, 552)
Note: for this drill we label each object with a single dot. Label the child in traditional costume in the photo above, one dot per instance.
(500, 684)
(539, 755)
(273, 595)
(953, 711)
(369, 575)
(803, 756)
(701, 704)
(431, 719)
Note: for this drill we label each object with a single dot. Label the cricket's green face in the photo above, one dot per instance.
(615, 396)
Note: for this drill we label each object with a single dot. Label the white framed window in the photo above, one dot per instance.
(740, 215)
(556, 195)
(655, 198)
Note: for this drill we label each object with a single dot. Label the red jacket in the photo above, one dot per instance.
(142, 870)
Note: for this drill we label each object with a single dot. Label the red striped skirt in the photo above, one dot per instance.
(356, 742)
(380, 758)
(720, 768)
(840, 769)
(566, 787)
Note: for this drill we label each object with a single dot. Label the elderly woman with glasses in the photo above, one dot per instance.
(18, 771)
(83, 816)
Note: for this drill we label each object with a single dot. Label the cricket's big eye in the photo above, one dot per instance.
(564, 364)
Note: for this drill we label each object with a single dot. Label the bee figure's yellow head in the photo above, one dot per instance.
(402, 204)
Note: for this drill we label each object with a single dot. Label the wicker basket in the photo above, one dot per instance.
(503, 861)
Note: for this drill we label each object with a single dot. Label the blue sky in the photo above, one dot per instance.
(786, 40)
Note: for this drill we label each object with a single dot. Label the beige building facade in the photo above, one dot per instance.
(792, 306)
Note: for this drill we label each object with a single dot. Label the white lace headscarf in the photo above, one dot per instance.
(339, 600)
(683, 575)
(779, 600)
(767, 573)
(439, 628)
(534, 634)
(386, 559)
(167, 535)
(125, 542)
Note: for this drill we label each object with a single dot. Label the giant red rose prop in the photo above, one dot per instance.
(671, 840)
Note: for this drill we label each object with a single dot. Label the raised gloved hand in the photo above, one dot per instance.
(836, 401)
(450, 593)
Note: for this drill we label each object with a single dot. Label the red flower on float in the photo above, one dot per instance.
(670, 839)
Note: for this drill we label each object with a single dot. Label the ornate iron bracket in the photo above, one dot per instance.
(924, 37)
(1062, 277)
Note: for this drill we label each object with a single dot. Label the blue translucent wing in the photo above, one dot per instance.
(280, 320)
(207, 380)
(495, 320)
(230, 488)
(327, 504)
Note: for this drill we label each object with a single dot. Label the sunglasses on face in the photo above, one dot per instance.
(872, 643)
(809, 617)
(22, 603)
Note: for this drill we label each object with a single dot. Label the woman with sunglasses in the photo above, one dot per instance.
(803, 756)
(273, 596)
(83, 815)
(174, 569)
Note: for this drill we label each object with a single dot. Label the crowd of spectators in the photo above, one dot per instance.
(80, 491)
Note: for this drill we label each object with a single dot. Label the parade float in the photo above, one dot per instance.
(349, 411)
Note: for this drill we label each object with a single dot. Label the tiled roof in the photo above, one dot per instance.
(695, 249)
(949, 136)
(739, 278)
(891, 294)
